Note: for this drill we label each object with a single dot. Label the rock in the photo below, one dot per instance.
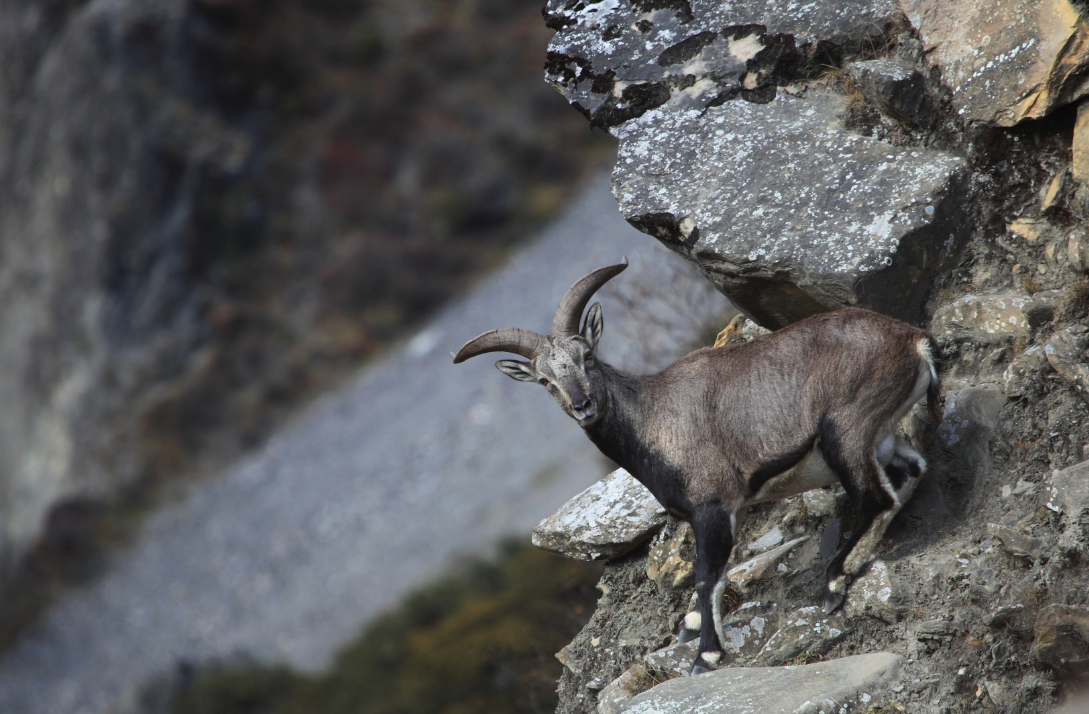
(1062, 639)
(746, 631)
(620, 691)
(1028, 229)
(1041, 307)
(1006, 61)
(1016, 543)
(763, 565)
(1069, 494)
(898, 88)
(820, 217)
(1066, 352)
(1025, 373)
(666, 564)
(673, 661)
(1055, 193)
(1077, 250)
(828, 687)
(605, 521)
(819, 502)
(1079, 166)
(767, 541)
(935, 633)
(1003, 615)
(876, 593)
(1024, 488)
(806, 631)
(970, 417)
(983, 319)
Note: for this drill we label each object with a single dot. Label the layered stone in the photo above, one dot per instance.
(784, 209)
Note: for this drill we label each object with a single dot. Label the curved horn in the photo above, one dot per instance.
(509, 339)
(566, 321)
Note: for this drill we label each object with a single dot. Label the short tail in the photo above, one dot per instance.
(934, 391)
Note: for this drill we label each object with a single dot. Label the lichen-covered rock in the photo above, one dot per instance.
(983, 319)
(673, 661)
(1008, 60)
(620, 691)
(1069, 495)
(876, 593)
(896, 87)
(1062, 639)
(819, 217)
(762, 566)
(970, 417)
(805, 632)
(745, 631)
(1067, 353)
(837, 686)
(605, 521)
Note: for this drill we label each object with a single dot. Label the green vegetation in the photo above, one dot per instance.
(479, 641)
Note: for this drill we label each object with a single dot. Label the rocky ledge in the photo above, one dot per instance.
(927, 159)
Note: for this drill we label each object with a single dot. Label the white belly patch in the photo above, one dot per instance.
(809, 473)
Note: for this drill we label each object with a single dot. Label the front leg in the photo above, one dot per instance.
(713, 527)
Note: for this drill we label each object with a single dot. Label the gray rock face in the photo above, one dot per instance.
(783, 209)
(841, 685)
(984, 319)
(876, 593)
(604, 521)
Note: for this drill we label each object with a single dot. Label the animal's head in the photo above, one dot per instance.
(564, 360)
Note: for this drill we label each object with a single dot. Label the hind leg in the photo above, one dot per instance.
(713, 528)
(877, 490)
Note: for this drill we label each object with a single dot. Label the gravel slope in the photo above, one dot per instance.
(374, 490)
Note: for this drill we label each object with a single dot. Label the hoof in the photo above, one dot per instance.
(687, 635)
(698, 668)
(832, 602)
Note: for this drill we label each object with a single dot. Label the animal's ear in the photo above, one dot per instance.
(591, 329)
(522, 371)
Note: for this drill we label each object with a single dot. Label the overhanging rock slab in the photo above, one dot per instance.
(840, 685)
(787, 212)
(782, 208)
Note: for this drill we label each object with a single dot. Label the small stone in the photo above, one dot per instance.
(809, 688)
(805, 631)
(1007, 492)
(666, 565)
(1066, 352)
(898, 88)
(763, 565)
(1003, 615)
(1016, 543)
(746, 631)
(1079, 167)
(1069, 493)
(673, 661)
(983, 319)
(1053, 194)
(1062, 639)
(1041, 308)
(877, 594)
(767, 541)
(1026, 228)
(1025, 488)
(819, 502)
(620, 691)
(1025, 373)
(1077, 251)
(605, 521)
(567, 659)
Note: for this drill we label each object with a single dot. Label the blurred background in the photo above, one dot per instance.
(238, 239)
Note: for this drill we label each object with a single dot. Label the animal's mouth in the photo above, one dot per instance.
(587, 415)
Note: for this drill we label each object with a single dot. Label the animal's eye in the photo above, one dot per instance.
(589, 357)
(543, 381)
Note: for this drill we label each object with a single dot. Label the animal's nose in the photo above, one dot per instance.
(581, 405)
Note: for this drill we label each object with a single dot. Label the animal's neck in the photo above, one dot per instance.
(615, 433)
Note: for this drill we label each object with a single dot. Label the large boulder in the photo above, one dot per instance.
(1008, 60)
(782, 208)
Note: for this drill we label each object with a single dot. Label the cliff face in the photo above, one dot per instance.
(920, 159)
(212, 208)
